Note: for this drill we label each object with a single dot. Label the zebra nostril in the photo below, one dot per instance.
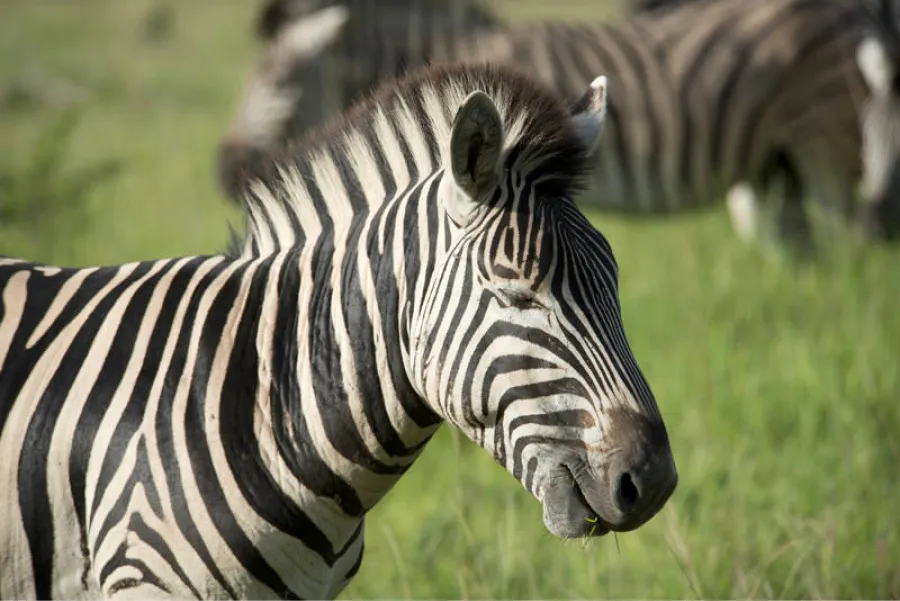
(627, 494)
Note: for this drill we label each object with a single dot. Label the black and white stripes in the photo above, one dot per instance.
(879, 61)
(217, 427)
(711, 99)
(321, 55)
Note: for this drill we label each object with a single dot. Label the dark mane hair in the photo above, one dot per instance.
(540, 139)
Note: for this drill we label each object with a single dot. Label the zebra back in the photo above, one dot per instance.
(703, 95)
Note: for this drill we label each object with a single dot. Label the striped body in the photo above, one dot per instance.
(705, 96)
(218, 427)
(142, 453)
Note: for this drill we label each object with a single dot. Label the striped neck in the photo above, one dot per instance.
(336, 411)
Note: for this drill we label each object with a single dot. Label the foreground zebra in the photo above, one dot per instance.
(219, 426)
(754, 101)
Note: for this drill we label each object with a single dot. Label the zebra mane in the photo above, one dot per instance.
(357, 160)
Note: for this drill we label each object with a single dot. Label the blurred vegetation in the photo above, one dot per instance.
(779, 383)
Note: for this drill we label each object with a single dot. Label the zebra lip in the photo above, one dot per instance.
(598, 526)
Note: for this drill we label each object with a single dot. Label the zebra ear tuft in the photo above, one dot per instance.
(476, 143)
(589, 113)
(875, 65)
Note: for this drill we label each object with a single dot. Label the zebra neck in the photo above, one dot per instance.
(342, 413)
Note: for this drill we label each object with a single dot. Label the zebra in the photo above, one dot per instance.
(218, 427)
(754, 102)
(637, 7)
(312, 64)
(879, 59)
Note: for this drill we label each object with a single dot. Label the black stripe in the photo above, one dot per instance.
(152, 539)
(120, 559)
(97, 402)
(526, 441)
(134, 412)
(35, 504)
(236, 391)
(164, 420)
(351, 183)
(375, 147)
(328, 385)
(499, 368)
(41, 290)
(303, 459)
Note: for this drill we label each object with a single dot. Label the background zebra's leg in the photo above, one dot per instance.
(784, 191)
(792, 226)
(772, 207)
(834, 194)
(880, 220)
(743, 207)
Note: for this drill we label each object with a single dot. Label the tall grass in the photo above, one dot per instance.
(779, 382)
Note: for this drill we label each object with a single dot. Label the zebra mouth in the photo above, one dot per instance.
(594, 525)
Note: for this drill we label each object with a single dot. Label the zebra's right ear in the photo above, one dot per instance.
(476, 142)
(589, 113)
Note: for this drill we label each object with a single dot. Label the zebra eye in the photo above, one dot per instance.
(520, 298)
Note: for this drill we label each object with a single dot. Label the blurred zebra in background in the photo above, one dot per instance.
(879, 60)
(321, 55)
(751, 101)
(218, 427)
(637, 7)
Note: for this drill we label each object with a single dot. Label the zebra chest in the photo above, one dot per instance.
(210, 550)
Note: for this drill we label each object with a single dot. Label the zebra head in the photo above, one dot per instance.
(519, 339)
(878, 56)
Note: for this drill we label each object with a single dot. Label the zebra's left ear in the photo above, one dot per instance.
(476, 143)
(589, 114)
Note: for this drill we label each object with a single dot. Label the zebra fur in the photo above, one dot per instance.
(879, 60)
(218, 427)
(311, 65)
(712, 98)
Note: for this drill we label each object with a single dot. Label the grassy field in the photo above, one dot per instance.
(780, 384)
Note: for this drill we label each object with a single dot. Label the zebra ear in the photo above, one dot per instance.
(313, 33)
(589, 114)
(875, 65)
(476, 142)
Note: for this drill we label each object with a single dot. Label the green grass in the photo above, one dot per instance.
(780, 384)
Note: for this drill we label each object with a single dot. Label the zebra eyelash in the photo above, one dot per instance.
(519, 298)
